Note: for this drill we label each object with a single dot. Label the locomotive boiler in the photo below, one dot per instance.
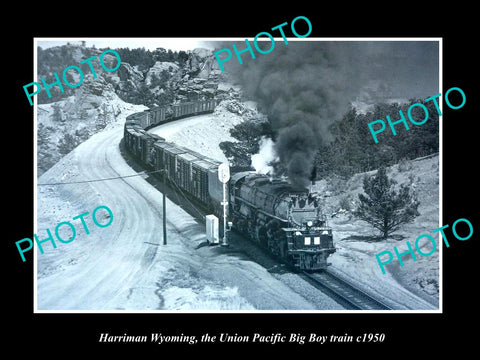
(286, 220)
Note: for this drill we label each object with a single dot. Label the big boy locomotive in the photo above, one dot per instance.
(285, 220)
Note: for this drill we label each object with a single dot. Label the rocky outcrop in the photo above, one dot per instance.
(202, 64)
(152, 81)
(160, 73)
(198, 78)
(201, 76)
(127, 72)
(71, 117)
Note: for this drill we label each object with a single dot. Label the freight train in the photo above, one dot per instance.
(285, 220)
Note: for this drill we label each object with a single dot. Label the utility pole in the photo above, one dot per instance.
(164, 208)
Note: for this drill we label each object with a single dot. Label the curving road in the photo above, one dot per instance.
(92, 281)
(125, 266)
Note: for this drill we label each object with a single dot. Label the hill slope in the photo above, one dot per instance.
(355, 257)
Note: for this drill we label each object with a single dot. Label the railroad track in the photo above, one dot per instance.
(344, 293)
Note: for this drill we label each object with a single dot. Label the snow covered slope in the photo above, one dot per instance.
(204, 133)
(414, 286)
(125, 266)
(417, 283)
(73, 120)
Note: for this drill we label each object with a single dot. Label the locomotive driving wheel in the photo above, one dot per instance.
(261, 235)
(282, 245)
(277, 241)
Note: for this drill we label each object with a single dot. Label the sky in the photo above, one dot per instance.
(410, 66)
(175, 44)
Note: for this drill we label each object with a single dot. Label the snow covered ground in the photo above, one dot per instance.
(125, 266)
(202, 132)
(416, 285)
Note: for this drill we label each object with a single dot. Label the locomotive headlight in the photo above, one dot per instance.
(310, 223)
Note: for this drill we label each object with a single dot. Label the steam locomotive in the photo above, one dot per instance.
(285, 220)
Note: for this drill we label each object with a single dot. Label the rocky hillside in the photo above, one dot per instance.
(147, 79)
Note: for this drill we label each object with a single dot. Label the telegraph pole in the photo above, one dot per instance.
(164, 209)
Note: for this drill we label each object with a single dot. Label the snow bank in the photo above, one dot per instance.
(126, 266)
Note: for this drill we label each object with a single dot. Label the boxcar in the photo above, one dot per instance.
(185, 170)
(215, 187)
(166, 153)
(202, 169)
(136, 145)
(146, 145)
(157, 115)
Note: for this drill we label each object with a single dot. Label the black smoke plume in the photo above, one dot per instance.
(306, 85)
(302, 87)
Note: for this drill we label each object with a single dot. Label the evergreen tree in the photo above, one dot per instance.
(353, 149)
(57, 113)
(43, 136)
(67, 144)
(238, 154)
(383, 207)
(247, 135)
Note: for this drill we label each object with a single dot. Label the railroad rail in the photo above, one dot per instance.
(343, 292)
(197, 175)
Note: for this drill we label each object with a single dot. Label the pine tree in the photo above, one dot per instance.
(44, 154)
(67, 144)
(43, 136)
(57, 113)
(383, 207)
